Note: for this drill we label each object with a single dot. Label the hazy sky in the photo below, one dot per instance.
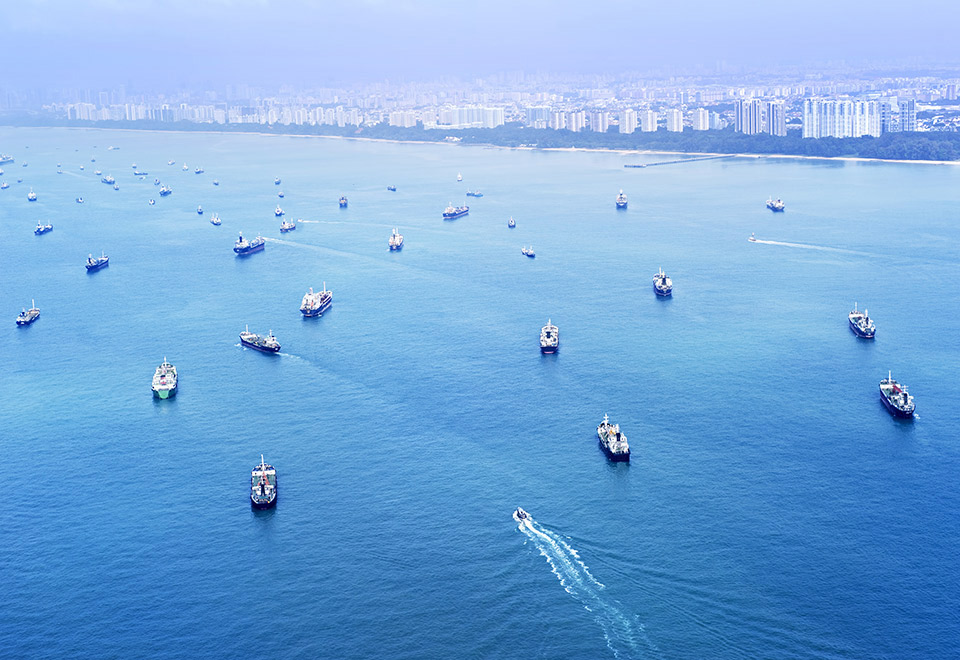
(159, 43)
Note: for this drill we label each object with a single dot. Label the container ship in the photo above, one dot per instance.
(396, 240)
(315, 304)
(28, 316)
(861, 323)
(896, 398)
(244, 247)
(549, 338)
(662, 284)
(263, 485)
(164, 384)
(621, 200)
(96, 263)
(453, 212)
(612, 441)
(268, 344)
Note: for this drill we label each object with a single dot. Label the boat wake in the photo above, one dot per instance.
(808, 246)
(623, 632)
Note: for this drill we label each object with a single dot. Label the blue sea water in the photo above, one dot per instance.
(772, 509)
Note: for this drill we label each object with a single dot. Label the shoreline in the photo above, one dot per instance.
(857, 159)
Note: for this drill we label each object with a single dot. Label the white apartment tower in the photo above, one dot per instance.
(701, 119)
(628, 121)
(675, 121)
(648, 121)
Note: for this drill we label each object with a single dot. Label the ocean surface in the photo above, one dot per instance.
(772, 508)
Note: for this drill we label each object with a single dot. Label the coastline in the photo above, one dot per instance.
(859, 159)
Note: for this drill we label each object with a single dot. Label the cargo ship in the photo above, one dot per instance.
(315, 304)
(286, 226)
(775, 205)
(896, 398)
(215, 220)
(109, 180)
(42, 229)
(5, 158)
(474, 193)
(549, 338)
(28, 316)
(244, 247)
(343, 202)
(621, 200)
(612, 441)
(31, 196)
(861, 323)
(164, 383)
(392, 188)
(662, 285)
(268, 344)
(263, 485)
(396, 240)
(165, 190)
(96, 263)
(453, 212)
(528, 251)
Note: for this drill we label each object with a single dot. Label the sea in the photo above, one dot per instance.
(772, 507)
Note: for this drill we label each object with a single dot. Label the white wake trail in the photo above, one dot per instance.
(822, 248)
(622, 632)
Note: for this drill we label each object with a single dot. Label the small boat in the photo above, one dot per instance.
(280, 194)
(199, 170)
(474, 193)
(286, 226)
(263, 485)
(392, 188)
(199, 210)
(520, 515)
(31, 196)
(621, 200)
(116, 186)
(79, 200)
(775, 205)
(278, 211)
(28, 316)
(185, 168)
(215, 220)
(96, 263)
(81, 167)
(276, 181)
(156, 182)
(528, 251)
(4, 185)
(171, 162)
(459, 176)
(216, 183)
(165, 190)
(42, 229)
(152, 202)
(511, 222)
(343, 202)
(752, 238)
(98, 172)
(662, 285)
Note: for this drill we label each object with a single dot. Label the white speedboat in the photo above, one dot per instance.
(520, 515)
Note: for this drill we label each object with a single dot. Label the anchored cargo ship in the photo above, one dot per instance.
(343, 202)
(861, 323)
(96, 263)
(612, 441)
(165, 190)
(286, 226)
(896, 398)
(621, 200)
(396, 240)
(28, 316)
(263, 485)
(549, 338)
(164, 383)
(315, 304)
(775, 205)
(662, 284)
(453, 212)
(268, 344)
(42, 228)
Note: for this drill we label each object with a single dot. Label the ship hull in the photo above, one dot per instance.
(663, 293)
(396, 248)
(96, 267)
(165, 394)
(617, 458)
(318, 311)
(621, 206)
(454, 216)
(548, 350)
(860, 333)
(27, 321)
(256, 347)
(242, 252)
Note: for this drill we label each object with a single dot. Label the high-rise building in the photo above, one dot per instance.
(776, 123)
(811, 118)
(908, 115)
(717, 122)
(599, 122)
(628, 121)
(749, 116)
(950, 93)
(576, 121)
(537, 116)
(674, 121)
(648, 121)
(701, 119)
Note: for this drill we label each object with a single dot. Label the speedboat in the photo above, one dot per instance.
(520, 515)
(511, 222)
(199, 210)
(79, 200)
(152, 202)
(276, 181)
(278, 211)
(216, 182)
(753, 238)
(280, 194)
